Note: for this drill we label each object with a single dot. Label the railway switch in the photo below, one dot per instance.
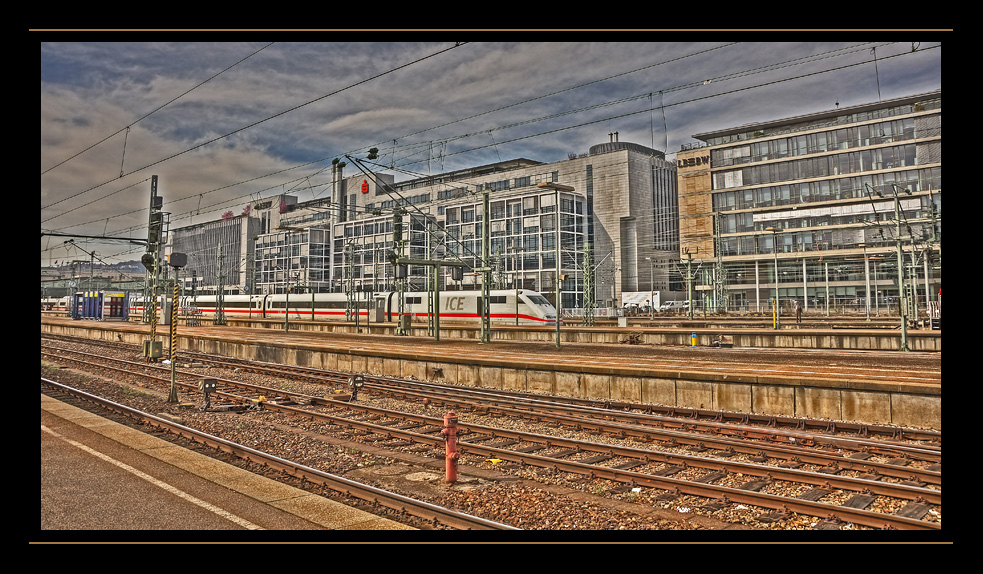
(450, 435)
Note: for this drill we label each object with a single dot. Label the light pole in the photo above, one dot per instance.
(286, 309)
(867, 281)
(557, 188)
(901, 286)
(651, 290)
(902, 308)
(774, 248)
(518, 258)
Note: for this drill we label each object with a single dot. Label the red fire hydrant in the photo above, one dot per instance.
(450, 435)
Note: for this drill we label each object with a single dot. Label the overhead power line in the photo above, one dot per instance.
(157, 109)
(651, 107)
(256, 123)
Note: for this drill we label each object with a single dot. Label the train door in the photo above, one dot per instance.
(379, 307)
(256, 306)
(390, 310)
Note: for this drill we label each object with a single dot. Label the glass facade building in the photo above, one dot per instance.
(824, 202)
(611, 211)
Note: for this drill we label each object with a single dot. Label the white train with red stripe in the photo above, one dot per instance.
(508, 307)
(61, 304)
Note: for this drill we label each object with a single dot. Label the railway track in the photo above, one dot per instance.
(837, 479)
(401, 505)
(690, 417)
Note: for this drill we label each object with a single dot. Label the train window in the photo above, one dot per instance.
(496, 299)
(537, 300)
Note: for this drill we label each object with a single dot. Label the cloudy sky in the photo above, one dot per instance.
(224, 123)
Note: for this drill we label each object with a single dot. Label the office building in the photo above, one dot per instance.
(617, 223)
(817, 208)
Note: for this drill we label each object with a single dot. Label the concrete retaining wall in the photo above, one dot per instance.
(883, 339)
(904, 405)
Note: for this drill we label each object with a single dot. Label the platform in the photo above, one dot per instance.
(873, 387)
(97, 475)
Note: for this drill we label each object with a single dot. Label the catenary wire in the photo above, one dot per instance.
(613, 117)
(152, 112)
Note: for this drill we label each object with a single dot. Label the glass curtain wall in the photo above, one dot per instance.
(523, 234)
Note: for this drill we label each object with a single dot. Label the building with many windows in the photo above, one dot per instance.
(222, 253)
(594, 219)
(818, 209)
(605, 221)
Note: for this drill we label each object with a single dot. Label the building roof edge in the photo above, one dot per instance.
(818, 115)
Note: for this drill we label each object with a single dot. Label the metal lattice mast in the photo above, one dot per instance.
(399, 275)
(719, 284)
(350, 309)
(485, 270)
(151, 260)
(220, 299)
(588, 287)
(431, 285)
(901, 278)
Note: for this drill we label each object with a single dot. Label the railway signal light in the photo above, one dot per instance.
(207, 386)
(177, 260)
(355, 383)
(147, 259)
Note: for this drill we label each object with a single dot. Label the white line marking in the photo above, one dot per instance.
(180, 493)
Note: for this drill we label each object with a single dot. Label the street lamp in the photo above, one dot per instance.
(557, 188)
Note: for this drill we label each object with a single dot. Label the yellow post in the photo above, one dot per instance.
(172, 397)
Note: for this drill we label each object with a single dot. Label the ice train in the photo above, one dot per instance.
(509, 307)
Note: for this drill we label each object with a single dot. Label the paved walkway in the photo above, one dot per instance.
(105, 478)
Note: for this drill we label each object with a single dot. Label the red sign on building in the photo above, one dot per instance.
(365, 186)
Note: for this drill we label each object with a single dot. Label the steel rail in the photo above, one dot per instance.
(816, 479)
(377, 496)
(772, 473)
(711, 418)
(727, 494)
(633, 424)
(703, 417)
(879, 519)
